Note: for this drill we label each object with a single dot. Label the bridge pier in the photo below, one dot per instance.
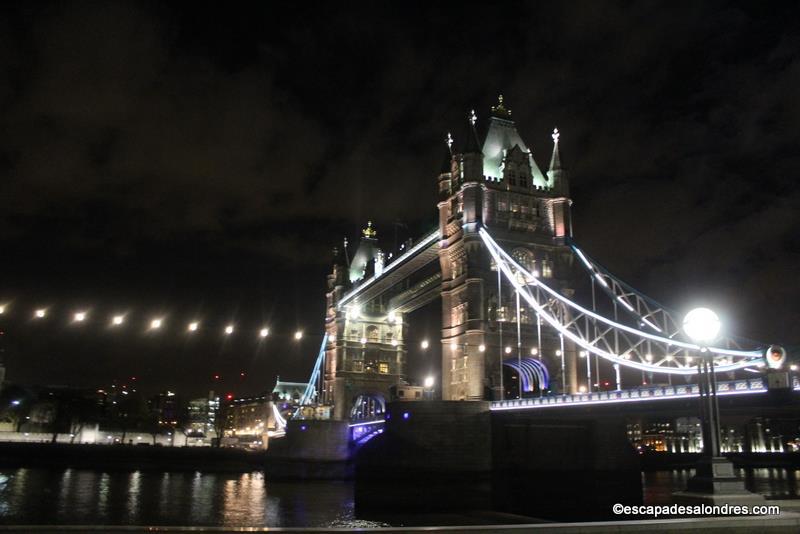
(450, 455)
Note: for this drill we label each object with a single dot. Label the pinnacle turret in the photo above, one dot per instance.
(448, 155)
(556, 173)
(471, 144)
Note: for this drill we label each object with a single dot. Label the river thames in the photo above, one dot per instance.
(88, 497)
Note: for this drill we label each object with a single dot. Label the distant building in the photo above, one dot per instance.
(165, 408)
(289, 392)
(248, 421)
(201, 416)
(405, 392)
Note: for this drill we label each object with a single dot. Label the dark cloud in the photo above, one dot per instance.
(167, 149)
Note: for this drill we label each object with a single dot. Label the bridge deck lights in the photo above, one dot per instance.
(264, 332)
(79, 317)
(117, 320)
(155, 324)
(193, 326)
(40, 313)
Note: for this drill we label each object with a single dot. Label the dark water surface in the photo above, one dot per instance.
(73, 496)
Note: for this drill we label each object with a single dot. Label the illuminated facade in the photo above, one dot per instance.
(494, 182)
(365, 354)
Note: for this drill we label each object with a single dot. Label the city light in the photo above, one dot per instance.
(229, 330)
(534, 351)
(424, 344)
(155, 324)
(117, 320)
(583, 354)
(429, 381)
(482, 347)
(193, 326)
(79, 317)
(40, 313)
(363, 341)
(264, 332)
(582, 389)
(702, 325)
(298, 335)
(508, 350)
(648, 357)
(392, 317)
(2, 309)
(453, 346)
(558, 353)
(394, 342)
(793, 367)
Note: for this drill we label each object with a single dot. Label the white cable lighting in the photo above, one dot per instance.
(502, 262)
(505, 257)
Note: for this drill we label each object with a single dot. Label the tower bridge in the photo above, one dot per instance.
(528, 318)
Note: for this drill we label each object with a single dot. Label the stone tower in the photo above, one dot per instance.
(365, 354)
(493, 181)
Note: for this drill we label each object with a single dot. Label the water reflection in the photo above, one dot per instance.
(75, 496)
(772, 482)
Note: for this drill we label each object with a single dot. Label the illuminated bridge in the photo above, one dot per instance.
(530, 321)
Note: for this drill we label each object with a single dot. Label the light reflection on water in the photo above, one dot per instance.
(772, 482)
(76, 496)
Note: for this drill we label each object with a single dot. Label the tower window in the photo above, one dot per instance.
(383, 368)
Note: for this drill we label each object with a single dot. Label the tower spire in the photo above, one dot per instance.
(448, 154)
(471, 145)
(500, 110)
(555, 160)
(556, 174)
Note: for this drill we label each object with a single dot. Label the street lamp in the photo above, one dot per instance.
(428, 384)
(424, 344)
(714, 477)
(702, 326)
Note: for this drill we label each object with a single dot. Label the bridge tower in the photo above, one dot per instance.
(494, 182)
(365, 354)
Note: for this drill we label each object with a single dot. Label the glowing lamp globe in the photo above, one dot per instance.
(428, 382)
(701, 325)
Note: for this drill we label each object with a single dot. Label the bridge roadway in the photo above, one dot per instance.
(418, 256)
(752, 386)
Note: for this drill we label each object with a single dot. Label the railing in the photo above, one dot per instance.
(422, 244)
(361, 432)
(652, 393)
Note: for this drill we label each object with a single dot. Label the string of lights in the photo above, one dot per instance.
(150, 323)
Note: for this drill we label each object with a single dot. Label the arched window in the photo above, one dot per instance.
(525, 258)
(372, 334)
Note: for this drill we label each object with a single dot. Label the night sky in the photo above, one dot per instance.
(202, 161)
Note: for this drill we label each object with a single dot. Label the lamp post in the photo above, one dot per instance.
(428, 383)
(714, 481)
(702, 326)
